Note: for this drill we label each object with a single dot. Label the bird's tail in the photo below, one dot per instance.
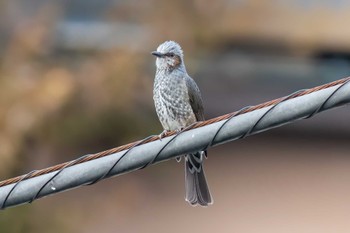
(197, 191)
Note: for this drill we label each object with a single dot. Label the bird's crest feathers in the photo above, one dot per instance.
(170, 47)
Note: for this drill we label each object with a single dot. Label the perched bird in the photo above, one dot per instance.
(178, 104)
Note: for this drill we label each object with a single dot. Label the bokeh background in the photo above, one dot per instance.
(76, 77)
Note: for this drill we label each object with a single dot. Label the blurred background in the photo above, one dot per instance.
(76, 77)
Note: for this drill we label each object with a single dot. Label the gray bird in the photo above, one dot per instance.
(179, 104)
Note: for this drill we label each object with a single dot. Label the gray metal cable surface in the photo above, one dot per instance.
(140, 155)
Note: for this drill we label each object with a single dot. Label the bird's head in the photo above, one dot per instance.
(169, 56)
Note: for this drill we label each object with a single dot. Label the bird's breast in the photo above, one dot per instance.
(172, 104)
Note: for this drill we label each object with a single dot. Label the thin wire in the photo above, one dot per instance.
(196, 125)
(166, 144)
(71, 163)
(112, 167)
(268, 111)
(320, 108)
(13, 188)
(222, 126)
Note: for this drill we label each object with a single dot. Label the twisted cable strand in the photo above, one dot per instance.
(13, 188)
(130, 146)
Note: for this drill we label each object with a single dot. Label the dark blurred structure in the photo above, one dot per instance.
(76, 77)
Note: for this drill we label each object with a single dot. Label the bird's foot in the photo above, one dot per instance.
(205, 154)
(162, 134)
(178, 130)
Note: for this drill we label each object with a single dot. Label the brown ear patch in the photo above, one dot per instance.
(177, 62)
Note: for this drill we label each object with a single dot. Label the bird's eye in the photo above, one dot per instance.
(171, 55)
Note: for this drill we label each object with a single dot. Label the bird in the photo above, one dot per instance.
(179, 104)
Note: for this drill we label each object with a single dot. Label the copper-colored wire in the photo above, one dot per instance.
(154, 138)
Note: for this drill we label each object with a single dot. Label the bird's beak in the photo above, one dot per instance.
(157, 54)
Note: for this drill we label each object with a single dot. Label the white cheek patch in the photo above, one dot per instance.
(170, 61)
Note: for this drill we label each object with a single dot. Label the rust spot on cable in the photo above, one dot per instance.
(197, 125)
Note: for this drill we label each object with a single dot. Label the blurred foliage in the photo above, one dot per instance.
(55, 106)
(24, 219)
(77, 98)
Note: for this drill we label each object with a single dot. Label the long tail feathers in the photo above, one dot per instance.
(197, 191)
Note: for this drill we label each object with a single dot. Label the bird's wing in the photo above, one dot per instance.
(195, 98)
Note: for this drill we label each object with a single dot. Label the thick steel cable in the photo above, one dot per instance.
(10, 193)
